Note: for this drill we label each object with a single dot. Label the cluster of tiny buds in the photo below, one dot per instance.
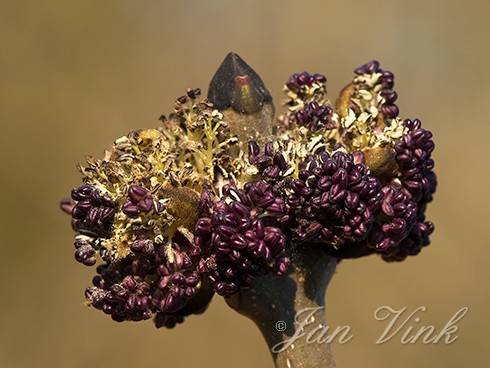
(315, 116)
(192, 94)
(413, 155)
(336, 199)
(269, 163)
(241, 238)
(85, 251)
(152, 281)
(298, 80)
(93, 212)
(399, 211)
(387, 80)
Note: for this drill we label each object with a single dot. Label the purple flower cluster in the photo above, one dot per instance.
(124, 300)
(270, 164)
(417, 238)
(155, 280)
(93, 212)
(152, 280)
(85, 251)
(153, 266)
(315, 116)
(398, 213)
(298, 80)
(335, 199)
(387, 80)
(177, 283)
(413, 155)
(240, 238)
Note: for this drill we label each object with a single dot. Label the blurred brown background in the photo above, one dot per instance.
(76, 75)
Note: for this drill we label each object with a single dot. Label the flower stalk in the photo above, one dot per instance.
(287, 309)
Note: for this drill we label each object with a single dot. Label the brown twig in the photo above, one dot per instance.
(274, 303)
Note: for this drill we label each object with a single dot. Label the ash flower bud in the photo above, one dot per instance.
(298, 80)
(67, 205)
(302, 89)
(270, 164)
(413, 156)
(84, 251)
(334, 199)
(124, 300)
(390, 111)
(193, 93)
(399, 214)
(137, 193)
(368, 68)
(131, 209)
(177, 282)
(83, 192)
(92, 212)
(240, 239)
(144, 246)
(370, 92)
(153, 281)
(417, 238)
(315, 116)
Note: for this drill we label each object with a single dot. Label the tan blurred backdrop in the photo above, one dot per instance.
(74, 75)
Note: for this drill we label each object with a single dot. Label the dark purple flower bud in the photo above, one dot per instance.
(320, 78)
(140, 201)
(270, 164)
(82, 192)
(193, 93)
(84, 252)
(408, 231)
(390, 111)
(253, 149)
(386, 80)
(203, 226)
(368, 68)
(137, 193)
(413, 155)
(146, 204)
(417, 238)
(67, 206)
(131, 209)
(92, 213)
(338, 207)
(315, 116)
(145, 283)
(399, 216)
(389, 95)
(304, 79)
(238, 243)
(144, 246)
